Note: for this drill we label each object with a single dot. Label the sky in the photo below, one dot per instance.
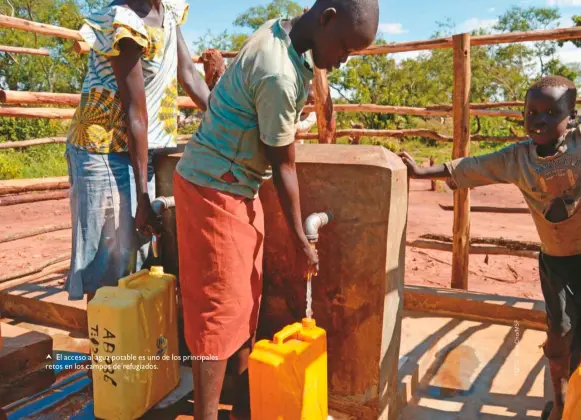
(399, 20)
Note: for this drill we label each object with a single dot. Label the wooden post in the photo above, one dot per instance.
(462, 78)
(323, 107)
(433, 182)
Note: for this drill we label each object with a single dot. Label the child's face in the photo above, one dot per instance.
(547, 114)
(336, 38)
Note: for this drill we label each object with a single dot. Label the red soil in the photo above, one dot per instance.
(503, 275)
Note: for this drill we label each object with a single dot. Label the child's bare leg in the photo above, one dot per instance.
(208, 380)
(241, 408)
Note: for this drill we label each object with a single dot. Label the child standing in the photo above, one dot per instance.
(547, 170)
(246, 137)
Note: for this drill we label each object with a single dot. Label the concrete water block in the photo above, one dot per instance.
(358, 294)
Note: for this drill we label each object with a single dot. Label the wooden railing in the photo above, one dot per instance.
(460, 110)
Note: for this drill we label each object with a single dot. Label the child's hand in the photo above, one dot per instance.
(413, 169)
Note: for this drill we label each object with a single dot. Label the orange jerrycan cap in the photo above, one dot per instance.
(156, 271)
(309, 323)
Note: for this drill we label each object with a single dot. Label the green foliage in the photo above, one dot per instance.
(255, 17)
(577, 42)
(189, 129)
(498, 73)
(10, 166)
(12, 129)
(251, 19)
(34, 162)
(64, 70)
(531, 19)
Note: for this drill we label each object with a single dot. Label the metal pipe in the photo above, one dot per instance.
(162, 203)
(159, 205)
(314, 222)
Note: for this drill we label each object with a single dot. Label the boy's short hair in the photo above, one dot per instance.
(558, 81)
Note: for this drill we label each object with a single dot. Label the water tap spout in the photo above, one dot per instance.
(159, 205)
(314, 222)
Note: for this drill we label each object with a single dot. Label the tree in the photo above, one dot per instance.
(577, 42)
(255, 17)
(251, 19)
(498, 73)
(531, 19)
(64, 70)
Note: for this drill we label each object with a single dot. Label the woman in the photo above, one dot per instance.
(128, 109)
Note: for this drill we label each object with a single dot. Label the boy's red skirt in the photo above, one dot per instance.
(220, 242)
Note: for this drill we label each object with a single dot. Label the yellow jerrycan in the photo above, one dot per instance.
(288, 375)
(134, 344)
(572, 410)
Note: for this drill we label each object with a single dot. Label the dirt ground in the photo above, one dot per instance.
(503, 275)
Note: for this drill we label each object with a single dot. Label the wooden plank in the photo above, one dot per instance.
(28, 143)
(379, 133)
(504, 38)
(489, 209)
(528, 36)
(10, 200)
(323, 107)
(20, 50)
(44, 313)
(461, 229)
(36, 269)
(15, 97)
(54, 113)
(81, 47)
(34, 232)
(39, 28)
(22, 351)
(18, 186)
(355, 132)
(474, 306)
(508, 243)
(485, 105)
(447, 42)
(473, 249)
(426, 112)
(26, 386)
(18, 97)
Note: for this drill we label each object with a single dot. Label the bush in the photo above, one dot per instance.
(35, 162)
(10, 166)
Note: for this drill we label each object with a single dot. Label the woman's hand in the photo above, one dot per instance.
(147, 222)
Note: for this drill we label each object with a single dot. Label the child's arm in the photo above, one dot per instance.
(417, 172)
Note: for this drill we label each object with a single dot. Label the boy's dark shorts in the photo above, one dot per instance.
(561, 285)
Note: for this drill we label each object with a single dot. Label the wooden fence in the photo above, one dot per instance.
(460, 110)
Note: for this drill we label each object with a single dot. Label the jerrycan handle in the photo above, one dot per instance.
(124, 282)
(286, 333)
